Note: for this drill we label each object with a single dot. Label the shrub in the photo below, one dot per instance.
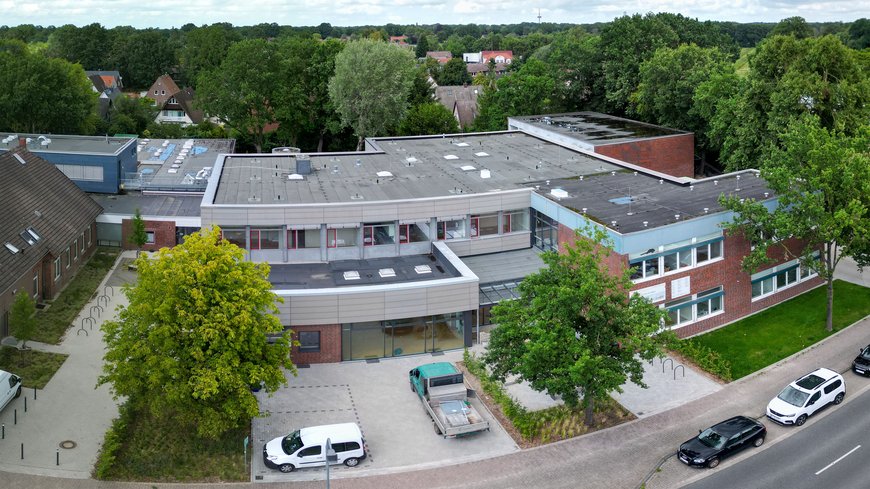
(704, 357)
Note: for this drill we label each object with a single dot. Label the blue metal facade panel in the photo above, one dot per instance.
(109, 163)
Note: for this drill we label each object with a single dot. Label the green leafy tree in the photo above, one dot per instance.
(204, 49)
(574, 331)
(822, 180)
(22, 315)
(142, 56)
(131, 115)
(429, 118)
(43, 95)
(241, 92)
(372, 99)
(859, 34)
(527, 91)
(422, 47)
(193, 339)
(86, 45)
(793, 26)
(138, 237)
(789, 78)
(574, 61)
(453, 72)
(423, 91)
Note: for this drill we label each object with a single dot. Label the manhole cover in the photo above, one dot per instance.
(67, 444)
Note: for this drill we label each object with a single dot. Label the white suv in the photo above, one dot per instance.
(806, 395)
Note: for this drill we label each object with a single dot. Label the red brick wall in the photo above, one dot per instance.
(673, 155)
(726, 272)
(164, 234)
(330, 345)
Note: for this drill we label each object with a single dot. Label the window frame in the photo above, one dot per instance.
(150, 236)
(68, 257)
(310, 347)
(57, 268)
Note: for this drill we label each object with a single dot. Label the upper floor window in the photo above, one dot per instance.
(513, 221)
(484, 225)
(383, 233)
(680, 256)
(780, 277)
(342, 238)
(453, 229)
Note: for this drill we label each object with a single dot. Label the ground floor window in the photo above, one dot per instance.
(695, 307)
(781, 277)
(309, 341)
(379, 339)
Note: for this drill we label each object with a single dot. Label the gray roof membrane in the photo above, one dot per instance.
(332, 274)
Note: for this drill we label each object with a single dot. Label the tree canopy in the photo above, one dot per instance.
(22, 315)
(43, 95)
(822, 180)
(371, 85)
(193, 339)
(574, 331)
(428, 118)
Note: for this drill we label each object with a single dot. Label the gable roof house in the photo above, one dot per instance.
(174, 104)
(461, 101)
(505, 57)
(108, 84)
(440, 56)
(47, 229)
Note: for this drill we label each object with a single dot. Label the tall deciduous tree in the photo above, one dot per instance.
(428, 118)
(192, 340)
(138, 237)
(822, 180)
(22, 315)
(527, 91)
(371, 85)
(242, 91)
(204, 49)
(574, 331)
(453, 72)
(41, 95)
(143, 56)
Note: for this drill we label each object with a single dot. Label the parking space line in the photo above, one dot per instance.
(835, 461)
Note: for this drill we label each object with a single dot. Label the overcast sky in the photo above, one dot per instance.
(166, 13)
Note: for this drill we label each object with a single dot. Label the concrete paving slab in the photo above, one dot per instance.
(69, 408)
(398, 432)
(670, 384)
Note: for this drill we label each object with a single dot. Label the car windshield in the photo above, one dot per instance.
(711, 438)
(866, 353)
(291, 443)
(793, 396)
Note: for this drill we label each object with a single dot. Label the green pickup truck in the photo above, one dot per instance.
(441, 388)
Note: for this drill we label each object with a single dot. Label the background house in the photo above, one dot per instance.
(461, 101)
(175, 106)
(108, 84)
(440, 56)
(47, 229)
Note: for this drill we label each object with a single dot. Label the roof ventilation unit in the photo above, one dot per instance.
(421, 269)
(303, 164)
(295, 176)
(467, 168)
(485, 174)
(384, 174)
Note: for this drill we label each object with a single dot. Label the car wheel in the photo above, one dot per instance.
(758, 442)
(801, 420)
(287, 468)
(713, 463)
(435, 425)
(412, 387)
(352, 462)
(839, 398)
(18, 392)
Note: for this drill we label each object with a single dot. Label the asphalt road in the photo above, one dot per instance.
(832, 453)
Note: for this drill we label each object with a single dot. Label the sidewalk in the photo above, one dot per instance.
(69, 408)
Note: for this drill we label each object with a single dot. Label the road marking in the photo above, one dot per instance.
(835, 461)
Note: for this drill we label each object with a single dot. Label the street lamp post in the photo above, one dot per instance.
(330, 457)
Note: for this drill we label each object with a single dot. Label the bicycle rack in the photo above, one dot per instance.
(102, 298)
(99, 310)
(109, 288)
(90, 322)
(682, 369)
(665, 361)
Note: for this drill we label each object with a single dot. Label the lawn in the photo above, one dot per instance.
(55, 320)
(787, 328)
(741, 66)
(140, 447)
(34, 367)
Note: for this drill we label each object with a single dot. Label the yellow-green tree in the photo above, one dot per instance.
(193, 339)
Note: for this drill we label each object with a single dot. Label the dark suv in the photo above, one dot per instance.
(721, 440)
(861, 364)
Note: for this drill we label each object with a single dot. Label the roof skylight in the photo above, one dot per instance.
(351, 275)
(384, 174)
(386, 272)
(451, 157)
(33, 233)
(421, 269)
(467, 168)
(12, 248)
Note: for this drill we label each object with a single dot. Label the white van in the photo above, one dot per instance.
(306, 447)
(10, 387)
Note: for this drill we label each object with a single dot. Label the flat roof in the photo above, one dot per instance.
(504, 266)
(178, 164)
(166, 205)
(100, 145)
(413, 167)
(632, 199)
(332, 274)
(596, 128)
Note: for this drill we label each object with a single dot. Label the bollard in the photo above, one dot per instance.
(22, 451)
(58, 456)
(16, 417)
(34, 393)
(25, 404)
(4, 431)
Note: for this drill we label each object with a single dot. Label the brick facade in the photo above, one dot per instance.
(330, 345)
(673, 155)
(164, 234)
(727, 272)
